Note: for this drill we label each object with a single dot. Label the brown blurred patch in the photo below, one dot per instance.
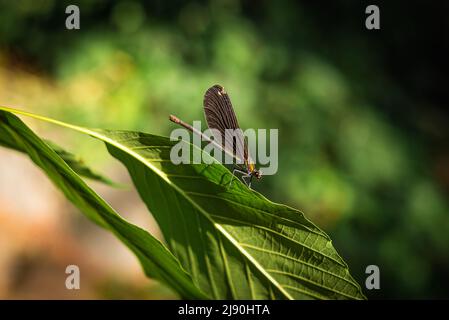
(41, 234)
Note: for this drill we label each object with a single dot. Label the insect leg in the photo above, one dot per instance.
(248, 183)
(233, 174)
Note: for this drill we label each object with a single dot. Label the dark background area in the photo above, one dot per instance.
(362, 114)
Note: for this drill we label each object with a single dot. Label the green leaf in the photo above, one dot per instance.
(155, 259)
(233, 241)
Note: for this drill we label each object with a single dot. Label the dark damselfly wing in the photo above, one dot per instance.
(220, 115)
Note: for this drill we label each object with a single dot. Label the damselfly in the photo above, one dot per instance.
(220, 115)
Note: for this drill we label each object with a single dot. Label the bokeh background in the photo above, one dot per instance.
(362, 118)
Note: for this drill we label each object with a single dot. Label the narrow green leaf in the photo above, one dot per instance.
(155, 259)
(74, 162)
(77, 164)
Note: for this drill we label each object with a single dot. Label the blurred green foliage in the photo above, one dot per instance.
(360, 114)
